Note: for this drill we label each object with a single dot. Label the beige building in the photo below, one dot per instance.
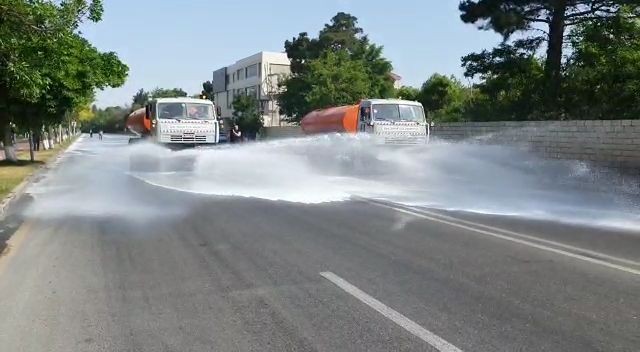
(397, 80)
(257, 75)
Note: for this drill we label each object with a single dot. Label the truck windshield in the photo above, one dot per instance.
(398, 112)
(185, 111)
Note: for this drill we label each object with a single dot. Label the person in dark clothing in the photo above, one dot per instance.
(36, 141)
(236, 135)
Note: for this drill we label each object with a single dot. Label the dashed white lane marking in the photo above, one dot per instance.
(427, 336)
(463, 224)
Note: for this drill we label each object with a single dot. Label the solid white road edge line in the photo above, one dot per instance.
(518, 234)
(406, 323)
(508, 238)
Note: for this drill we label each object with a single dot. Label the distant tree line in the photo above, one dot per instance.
(110, 119)
(573, 59)
(48, 71)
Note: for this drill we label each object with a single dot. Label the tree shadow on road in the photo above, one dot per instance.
(13, 220)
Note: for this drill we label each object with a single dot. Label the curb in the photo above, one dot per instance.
(18, 191)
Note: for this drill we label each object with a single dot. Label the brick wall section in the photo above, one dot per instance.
(609, 143)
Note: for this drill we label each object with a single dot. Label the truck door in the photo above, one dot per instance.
(151, 114)
(364, 120)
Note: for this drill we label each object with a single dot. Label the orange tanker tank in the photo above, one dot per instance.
(337, 119)
(138, 123)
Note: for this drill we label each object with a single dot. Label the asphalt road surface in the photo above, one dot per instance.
(172, 271)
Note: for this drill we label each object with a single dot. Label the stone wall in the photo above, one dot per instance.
(281, 132)
(608, 143)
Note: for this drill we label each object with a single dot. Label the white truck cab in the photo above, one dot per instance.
(183, 122)
(393, 121)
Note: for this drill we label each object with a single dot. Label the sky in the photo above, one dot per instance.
(179, 43)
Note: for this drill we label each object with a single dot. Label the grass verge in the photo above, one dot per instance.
(11, 174)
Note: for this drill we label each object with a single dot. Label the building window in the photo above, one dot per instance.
(259, 67)
(240, 74)
(252, 70)
(251, 91)
(229, 100)
(264, 107)
(238, 92)
(279, 69)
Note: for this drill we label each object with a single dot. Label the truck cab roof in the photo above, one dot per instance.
(392, 101)
(183, 100)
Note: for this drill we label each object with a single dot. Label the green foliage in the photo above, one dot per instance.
(603, 76)
(598, 80)
(47, 69)
(139, 99)
(342, 40)
(553, 17)
(337, 80)
(439, 91)
(512, 83)
(86, 114)
(73, 77)
(407, 93)
(167, 93)
(443, 98)
(110, 119)
(509, 16)
(207, 91)
(247, 115)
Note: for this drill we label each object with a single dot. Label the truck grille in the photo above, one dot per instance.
(405, 140)
(188, 138)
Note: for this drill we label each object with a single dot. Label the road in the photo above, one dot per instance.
(173, 271)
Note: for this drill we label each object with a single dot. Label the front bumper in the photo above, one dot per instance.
(187, 138)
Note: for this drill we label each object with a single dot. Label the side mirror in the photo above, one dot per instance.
(218, 111)
(147, 112)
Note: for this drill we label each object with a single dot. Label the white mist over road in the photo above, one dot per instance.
(451, 176)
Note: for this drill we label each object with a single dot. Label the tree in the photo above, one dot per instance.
(603, 75)
(337, 80)
(167, 93)
(109, 119)
(36, 92)
(76, 69)
(340, 35)
(247, 115)
(207, 90)
(407, 93)
(443, 98)
(86, 114)
(512, 82)
(139, 99)
(507, 17)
